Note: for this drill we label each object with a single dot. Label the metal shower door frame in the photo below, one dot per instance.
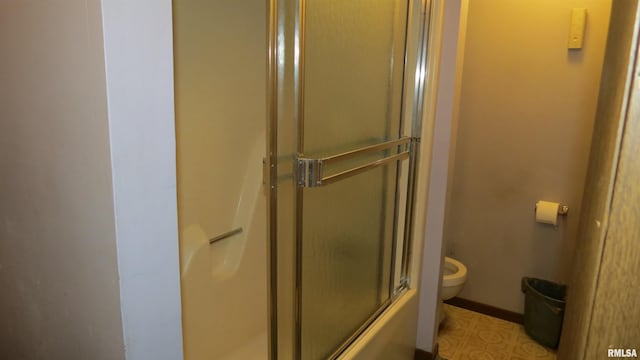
(298, 168)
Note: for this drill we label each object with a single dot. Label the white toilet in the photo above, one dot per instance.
(454, 275)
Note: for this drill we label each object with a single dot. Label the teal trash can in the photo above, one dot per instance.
(544, 303)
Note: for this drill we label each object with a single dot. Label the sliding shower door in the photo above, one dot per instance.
(351, 77)
(339, 175)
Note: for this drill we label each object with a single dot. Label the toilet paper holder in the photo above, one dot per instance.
(562, 209)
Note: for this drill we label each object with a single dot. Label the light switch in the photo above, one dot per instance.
(578, 23)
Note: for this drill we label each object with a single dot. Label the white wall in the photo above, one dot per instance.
(526, 114)
(58, 268)
(139, 66)
(434, 248)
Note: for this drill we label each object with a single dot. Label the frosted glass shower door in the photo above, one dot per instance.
(350, 150)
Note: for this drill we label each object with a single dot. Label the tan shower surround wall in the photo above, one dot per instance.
(220, 105)
(526, 115)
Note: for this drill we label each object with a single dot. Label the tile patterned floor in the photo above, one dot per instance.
(467, 335)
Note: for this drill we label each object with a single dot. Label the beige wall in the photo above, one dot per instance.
(525, 120)
(58, 268)
(602, 304)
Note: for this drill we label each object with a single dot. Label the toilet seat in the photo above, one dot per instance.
(457, 272)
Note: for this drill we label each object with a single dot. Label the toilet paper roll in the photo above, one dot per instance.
(547, 212)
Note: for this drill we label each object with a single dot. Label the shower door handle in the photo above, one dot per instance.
(311, 171)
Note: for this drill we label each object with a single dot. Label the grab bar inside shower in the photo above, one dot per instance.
(223, 236)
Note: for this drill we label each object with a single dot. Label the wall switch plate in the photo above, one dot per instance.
(578, 24)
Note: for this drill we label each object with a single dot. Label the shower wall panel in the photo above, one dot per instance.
(220, 51)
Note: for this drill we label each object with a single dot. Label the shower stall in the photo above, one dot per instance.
(298, 141)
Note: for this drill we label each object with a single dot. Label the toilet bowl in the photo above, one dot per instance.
(454, 275)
